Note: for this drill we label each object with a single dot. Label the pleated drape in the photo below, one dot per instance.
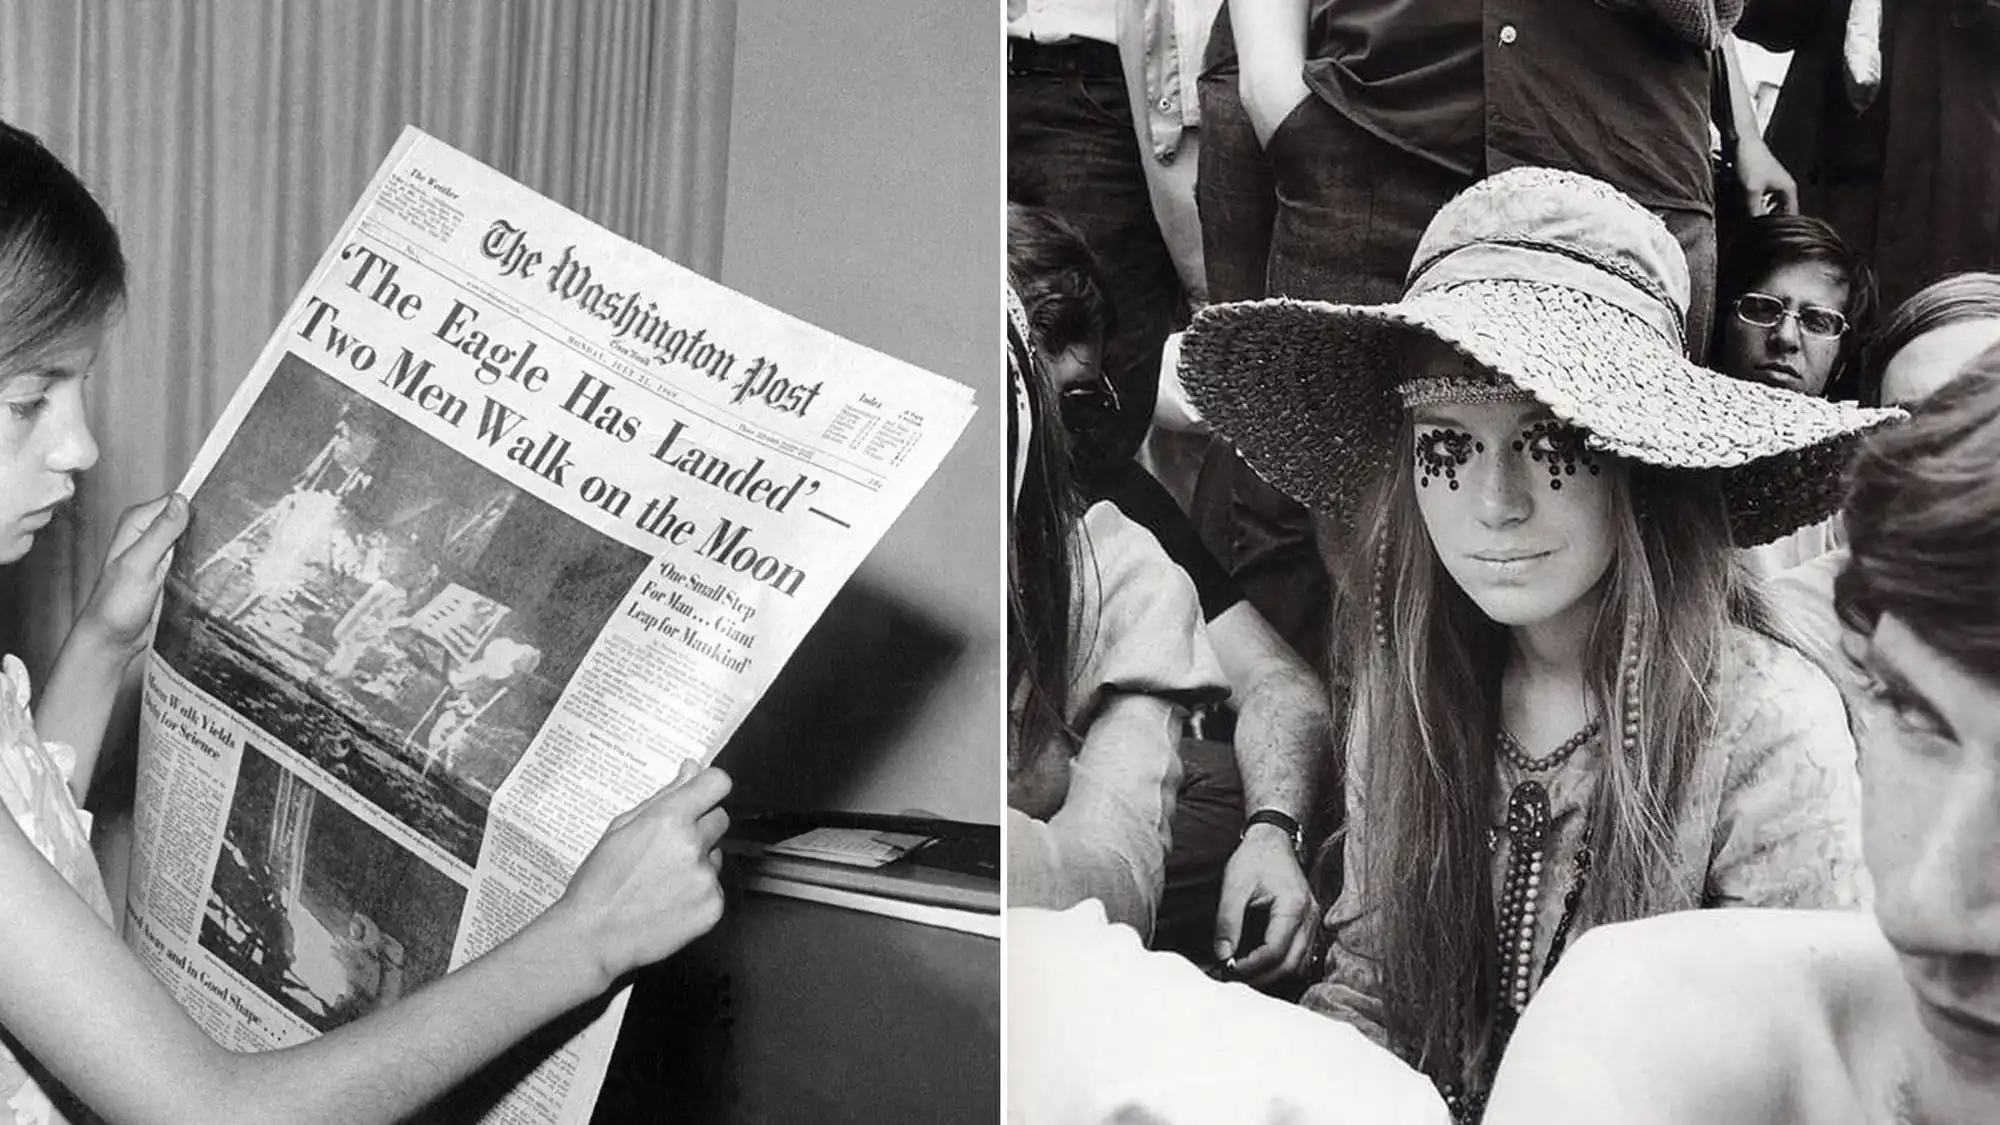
(229, 138)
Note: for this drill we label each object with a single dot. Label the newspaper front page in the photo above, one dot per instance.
(510, 519)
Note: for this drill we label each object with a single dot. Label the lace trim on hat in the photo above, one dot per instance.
(1458, 390)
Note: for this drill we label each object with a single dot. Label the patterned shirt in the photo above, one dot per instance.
(1771, 817)
(34, 784)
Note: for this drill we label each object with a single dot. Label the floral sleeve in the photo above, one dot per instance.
(1788, 825)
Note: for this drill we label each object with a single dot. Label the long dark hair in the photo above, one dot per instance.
(1041, 548)
(1059, 279)
(1424, 714)
(61, 267)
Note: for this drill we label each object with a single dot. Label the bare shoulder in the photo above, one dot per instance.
(1712, 1015)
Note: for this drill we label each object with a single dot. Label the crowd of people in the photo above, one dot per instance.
(1471, 491)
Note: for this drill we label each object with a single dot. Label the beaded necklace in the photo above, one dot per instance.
(1513, 751)
(1529, 824)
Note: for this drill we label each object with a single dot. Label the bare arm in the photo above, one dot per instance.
(99, 1020)
(1281, 725)
(1281, 732)
(1768, 185)
(1271, 47)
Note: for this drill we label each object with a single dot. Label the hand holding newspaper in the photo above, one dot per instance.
(511, 520)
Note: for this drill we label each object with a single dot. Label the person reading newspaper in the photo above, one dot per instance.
(88, 1029)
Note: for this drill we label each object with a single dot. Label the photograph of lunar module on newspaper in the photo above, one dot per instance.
(383, 605)
(317, 908)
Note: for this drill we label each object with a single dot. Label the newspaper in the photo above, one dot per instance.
(510, 519)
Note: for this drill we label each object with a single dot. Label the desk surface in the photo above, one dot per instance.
(799, 1012)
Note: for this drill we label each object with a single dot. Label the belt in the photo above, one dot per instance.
(1085, 58)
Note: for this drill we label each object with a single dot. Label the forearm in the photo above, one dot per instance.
(1113, 831)
(1281, 733)
(75, 703)
(1270, 36)
(1282, 724)
(99, 1020)
(393, 1063)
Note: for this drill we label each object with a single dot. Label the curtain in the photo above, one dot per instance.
(230, 138)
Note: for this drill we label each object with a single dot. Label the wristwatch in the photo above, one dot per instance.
(1283, 822)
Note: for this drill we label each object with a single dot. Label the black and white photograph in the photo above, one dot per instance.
(1502, 573)
(196, 582)
(319, 909)
(382, 604)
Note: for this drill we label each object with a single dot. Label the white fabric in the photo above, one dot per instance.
(1861, 50)
(1173, 409)
(1101, 1030)
(1052, 21)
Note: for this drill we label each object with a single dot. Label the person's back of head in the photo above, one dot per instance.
(1926, 339)
(1060, 282)
(1923, 523)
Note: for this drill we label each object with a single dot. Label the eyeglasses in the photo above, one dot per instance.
(1766, 311)
(1088, 407)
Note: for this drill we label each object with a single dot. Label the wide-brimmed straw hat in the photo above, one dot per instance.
(1563, 287)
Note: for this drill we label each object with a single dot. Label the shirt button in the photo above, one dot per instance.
(1508, 34)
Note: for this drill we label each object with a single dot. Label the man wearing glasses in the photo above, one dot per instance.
(1791, 291)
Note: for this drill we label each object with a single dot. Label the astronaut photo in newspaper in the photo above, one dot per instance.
(319, 909)
(383, 604)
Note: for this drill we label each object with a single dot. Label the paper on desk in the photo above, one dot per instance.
(856, 847)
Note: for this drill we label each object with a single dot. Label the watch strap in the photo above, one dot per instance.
(1283, 822)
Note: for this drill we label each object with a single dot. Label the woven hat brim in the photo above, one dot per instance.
(1306, 392)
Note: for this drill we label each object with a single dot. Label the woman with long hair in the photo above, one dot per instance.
(1105, 651)
(1561, 703)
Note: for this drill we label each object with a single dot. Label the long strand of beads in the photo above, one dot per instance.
(1380, 593)
(1528, 820)
(1630, 673)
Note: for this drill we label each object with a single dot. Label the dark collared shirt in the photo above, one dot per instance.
(1482, 87)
